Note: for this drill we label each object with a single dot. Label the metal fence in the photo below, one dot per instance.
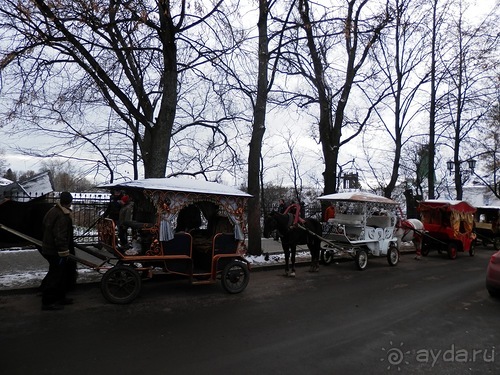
(87, 209)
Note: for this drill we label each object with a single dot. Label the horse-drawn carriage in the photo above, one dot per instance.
(208, 245)
(183, 227)
(449, 226)
(364, 224)
(487, 225)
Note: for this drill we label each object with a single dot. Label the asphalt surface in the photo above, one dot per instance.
(428, 316)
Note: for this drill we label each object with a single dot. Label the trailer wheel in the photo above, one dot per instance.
(361, 259)
(496, 243)
(452, 250)
(326, 256)
(235, 277)
(121, 284)
(393, 255)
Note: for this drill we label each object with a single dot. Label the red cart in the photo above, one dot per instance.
(449, 226)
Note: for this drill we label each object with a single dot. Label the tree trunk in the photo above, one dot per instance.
(259, 128)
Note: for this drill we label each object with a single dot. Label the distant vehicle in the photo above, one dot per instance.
(493, 275)
(487, 222)
(449, 226)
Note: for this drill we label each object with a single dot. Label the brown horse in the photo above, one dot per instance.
(291, 234)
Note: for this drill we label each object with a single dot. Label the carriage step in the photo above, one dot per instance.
(201, 282)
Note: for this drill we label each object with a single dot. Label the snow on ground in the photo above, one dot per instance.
(25, 268)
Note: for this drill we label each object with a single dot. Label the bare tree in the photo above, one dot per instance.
(332, 77)
(470, 94)
(136, 58)
(400, 56)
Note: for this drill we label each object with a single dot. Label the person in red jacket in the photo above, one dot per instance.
(56, 245)
(329, 213)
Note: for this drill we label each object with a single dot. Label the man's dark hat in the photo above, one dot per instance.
(65, 198)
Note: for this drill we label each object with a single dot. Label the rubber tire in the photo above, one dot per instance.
(121, 284)
(452, 250)
(496, 243)
(392, 256)
(494, 293)
(235, 277)
(361, 259)
(326, 256)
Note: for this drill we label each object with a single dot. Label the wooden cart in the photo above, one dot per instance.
(449, 226)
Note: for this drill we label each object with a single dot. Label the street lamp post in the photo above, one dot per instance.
(450, 164)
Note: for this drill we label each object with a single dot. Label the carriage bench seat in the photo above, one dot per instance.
(181, 244)
(346, 219)
(225, 243)
(378, 221)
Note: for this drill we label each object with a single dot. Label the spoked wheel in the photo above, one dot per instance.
(361, 259)
(326, 256)
(235, 277)
(121, 284)
(393, 255)
(452, 250)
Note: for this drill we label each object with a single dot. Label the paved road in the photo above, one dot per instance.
(428, 316)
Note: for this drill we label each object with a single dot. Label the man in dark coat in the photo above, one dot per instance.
(114, 206)
(56, 246)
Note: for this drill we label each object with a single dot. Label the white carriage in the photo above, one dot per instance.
(363, 226)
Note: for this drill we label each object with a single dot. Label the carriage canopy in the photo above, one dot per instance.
(454, 216)
(171, 196)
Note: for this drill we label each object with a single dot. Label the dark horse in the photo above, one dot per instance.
(291, 234)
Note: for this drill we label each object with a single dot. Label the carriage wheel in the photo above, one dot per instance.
(235, 277)
(361, 259)
(393, 255)
(452, 250)
(121, 284)
(496, 243)
(326, 256)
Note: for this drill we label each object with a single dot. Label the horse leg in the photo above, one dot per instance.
(293, 249)
(287, 258)
(314, 246)
(417, 241)
(315, 259)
